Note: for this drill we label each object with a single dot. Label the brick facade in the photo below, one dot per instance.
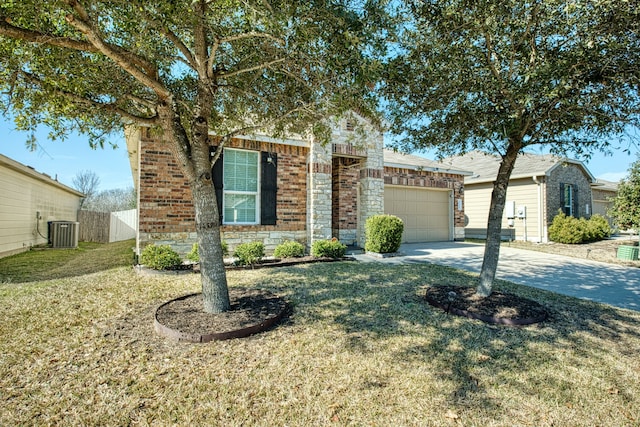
(323, 191)
(167, 213)
(573, 174)
(344, 204)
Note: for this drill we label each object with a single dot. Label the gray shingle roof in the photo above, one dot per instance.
(485, 166)
(605, 185)
(397, 159)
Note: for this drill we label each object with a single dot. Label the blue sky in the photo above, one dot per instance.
(65, 159)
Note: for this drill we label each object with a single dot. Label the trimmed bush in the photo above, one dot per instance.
(249, 253)
(289, 249)
(598, 228)
(194, 255)
(160, 257)
(567, 229)
(383, 233)
(328, 248)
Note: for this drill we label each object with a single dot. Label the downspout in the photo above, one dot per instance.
(539, 184)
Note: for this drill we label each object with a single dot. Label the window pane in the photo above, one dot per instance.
(241, 170)
(239, 208)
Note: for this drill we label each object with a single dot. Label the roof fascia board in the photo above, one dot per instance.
(32, 173)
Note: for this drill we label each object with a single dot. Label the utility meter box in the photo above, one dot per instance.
(521, 212)
(510, 209)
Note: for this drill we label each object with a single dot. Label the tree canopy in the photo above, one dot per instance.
(507, 76)
(92, 65)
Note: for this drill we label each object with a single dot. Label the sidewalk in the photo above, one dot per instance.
(606, 283)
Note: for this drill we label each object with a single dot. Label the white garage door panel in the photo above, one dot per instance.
(425, 213)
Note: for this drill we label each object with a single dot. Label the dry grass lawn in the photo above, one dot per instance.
(361, 348)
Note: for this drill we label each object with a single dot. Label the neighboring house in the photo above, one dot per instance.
(540, 186)
(273, 190)
(603, 192)
(29, 200)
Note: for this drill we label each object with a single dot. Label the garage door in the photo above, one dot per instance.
(426, 213)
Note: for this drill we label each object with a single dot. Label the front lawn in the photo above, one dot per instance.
(360, 348)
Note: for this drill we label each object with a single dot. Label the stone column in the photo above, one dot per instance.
(371, 183)
(319, 193)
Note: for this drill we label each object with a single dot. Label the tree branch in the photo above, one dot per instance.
(496, 73)
(173, 38)
(252, 34)
(254, 68)
(78, 99)
(122, 61)
(9, 30)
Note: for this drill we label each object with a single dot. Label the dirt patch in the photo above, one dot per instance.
(499, 307)
(252, 311)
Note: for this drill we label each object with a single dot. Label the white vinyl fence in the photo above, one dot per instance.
(105, 227)
(123, 225)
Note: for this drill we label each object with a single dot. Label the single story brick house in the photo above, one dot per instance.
(540, 186)
(273, 190)
(29, 201)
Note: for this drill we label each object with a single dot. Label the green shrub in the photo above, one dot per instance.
(249, 253)
(328, 248)
(383, 233)
(567, 229)
(160, 257)
(289, 249)
(194, 255)
(598, 228)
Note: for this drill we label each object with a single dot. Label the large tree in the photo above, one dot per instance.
(505, 76)
(185, 69)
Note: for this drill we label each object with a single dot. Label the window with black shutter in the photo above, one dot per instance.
(235, 178)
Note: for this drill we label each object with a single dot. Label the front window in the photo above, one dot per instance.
(241, 187)
(568, 200)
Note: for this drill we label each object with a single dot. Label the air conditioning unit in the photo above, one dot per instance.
(63, 234)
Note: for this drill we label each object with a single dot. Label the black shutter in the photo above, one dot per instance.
(268, 188)
(562, 200)
(217, 172)
(576, 206)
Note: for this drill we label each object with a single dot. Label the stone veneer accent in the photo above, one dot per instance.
(568, 173)
(319, 193)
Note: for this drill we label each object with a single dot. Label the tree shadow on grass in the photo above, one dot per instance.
(375, 304)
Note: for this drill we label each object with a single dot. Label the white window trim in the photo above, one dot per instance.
(568, 201)
(256, 193)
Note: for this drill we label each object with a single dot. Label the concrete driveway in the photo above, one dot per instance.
(606, 283)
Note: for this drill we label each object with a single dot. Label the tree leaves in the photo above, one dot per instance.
(473, 75)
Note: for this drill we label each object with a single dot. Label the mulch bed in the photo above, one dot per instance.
(252, 311)
(497, 308)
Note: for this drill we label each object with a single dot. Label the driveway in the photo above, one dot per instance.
(606, 283)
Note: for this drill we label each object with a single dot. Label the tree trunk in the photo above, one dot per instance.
(494, 223)
(194, 159)
(215, 292)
